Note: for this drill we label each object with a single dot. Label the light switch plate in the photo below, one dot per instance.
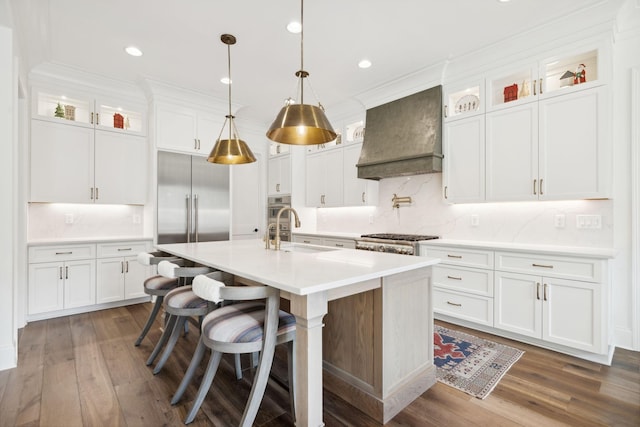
(589, 221)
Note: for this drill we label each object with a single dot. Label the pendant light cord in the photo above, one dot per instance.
(302, 75)
(229, 74)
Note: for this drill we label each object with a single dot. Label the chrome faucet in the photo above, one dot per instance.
(297, 223)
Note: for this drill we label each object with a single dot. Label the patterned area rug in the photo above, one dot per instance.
(470, 364)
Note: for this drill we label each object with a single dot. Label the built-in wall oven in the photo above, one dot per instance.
(405, 244)
(274, 204)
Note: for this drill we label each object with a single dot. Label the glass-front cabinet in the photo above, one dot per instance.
(59, 105)
(556, 75)
(463, 100)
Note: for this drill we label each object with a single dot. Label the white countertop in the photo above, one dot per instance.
(76, 240)
(524, 247)
(300, 273)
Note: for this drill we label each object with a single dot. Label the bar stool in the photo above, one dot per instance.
(157, 286)
(181, 305)
(244, 327)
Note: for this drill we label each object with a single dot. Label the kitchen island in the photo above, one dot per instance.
(379, 325)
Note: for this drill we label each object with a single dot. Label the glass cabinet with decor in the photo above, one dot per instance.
(463, 100)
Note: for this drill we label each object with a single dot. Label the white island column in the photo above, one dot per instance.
(309, 311)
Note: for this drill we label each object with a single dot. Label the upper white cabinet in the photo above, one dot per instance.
(357, 192)
(279, 179)
(325, 179)
(186, 129)
(83, 158)
(543, 136)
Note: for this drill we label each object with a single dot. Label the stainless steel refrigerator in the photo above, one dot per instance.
(193, 199)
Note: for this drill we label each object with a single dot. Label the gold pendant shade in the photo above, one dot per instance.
(231, 151)
(301, 124)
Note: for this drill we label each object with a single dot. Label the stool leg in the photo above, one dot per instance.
(150, 320)
(163, 339)
(173, 339)
(207, 379)
(195, 362)
(238, 367)
(291, 360)
(259, 384)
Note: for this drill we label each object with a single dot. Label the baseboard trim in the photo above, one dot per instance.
(8, 357)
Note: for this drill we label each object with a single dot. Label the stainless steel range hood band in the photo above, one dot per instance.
(400, 167)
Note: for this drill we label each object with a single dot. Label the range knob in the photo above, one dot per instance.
(381, 248)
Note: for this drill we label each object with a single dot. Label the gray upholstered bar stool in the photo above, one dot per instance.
(243, 327)
(157, 286)
(181, 305)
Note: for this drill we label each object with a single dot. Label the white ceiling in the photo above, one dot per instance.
(181, 40)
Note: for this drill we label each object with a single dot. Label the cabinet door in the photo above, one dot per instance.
(135, 275)
(574, 163)
(247, 200)
(518, 303)
(110, 280)
(572, 314)
(357, 192)
(464, 160)
(209, 127)
(315, 180)
(61, 163)
(512, 153)
(79, 283)
(46, 292)
(120, 168)
(176, 129)
(279, 179)
(333, 178)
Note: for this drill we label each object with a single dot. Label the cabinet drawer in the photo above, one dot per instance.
(340, 243)
(61, 253)
(308, 240)
(108, 250)
(465, 257)
(584, 269)
(467, 307)
(463, 279)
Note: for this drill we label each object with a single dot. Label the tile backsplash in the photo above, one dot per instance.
(509, 222)
(69, 221)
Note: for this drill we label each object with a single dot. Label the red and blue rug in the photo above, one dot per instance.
(469, 363)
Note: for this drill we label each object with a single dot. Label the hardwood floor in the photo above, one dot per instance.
(84, 370)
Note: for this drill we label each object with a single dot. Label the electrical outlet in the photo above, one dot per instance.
(559, 221)
(475, 220)
(370, 218)
(589, 221)
(68, 218)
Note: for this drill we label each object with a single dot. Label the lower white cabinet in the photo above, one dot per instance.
(555, 301)
(73, 278)
(119, 275)
(335, 242)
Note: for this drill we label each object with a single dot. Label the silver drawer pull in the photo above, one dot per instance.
(454, 278)
(306, 241)
(454, 256)
(64, 253)
(339, 245)
(124, 249)
(454, 304)
(542, 265)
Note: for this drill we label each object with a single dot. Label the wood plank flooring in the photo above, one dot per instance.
(84, 370)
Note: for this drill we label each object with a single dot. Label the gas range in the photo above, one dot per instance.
(406, 244)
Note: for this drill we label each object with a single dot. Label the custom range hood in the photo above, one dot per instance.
(403, 137)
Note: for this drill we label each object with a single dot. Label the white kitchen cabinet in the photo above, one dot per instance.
(463, 99)
(551, 150)
(61, 277)
(119, 275)
(320, 240)
(248, 201)
(357, 192)
(324, 179)
(186, 130)
(279, 176)
(75, 164)
(464, 160)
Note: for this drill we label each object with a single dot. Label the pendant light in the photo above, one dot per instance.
(233, 150)
(301, 124)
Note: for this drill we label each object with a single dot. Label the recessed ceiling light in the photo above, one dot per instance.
(226, 80)
(504, 1)
(365, 63)
(133, 51)
(294, 27)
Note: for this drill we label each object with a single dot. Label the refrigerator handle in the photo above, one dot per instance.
(188, 197)
(195, 216)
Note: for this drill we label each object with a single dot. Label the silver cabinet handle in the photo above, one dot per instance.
(92, 117)
(542, 265)
(454, 256)
(60, 273)
(188, 200)
(195, 216)
(446, 111)
(198, 143)
(454, 304)
(195, 143)
(446, 196)
(541, 193)
(121, 267)
(277, 149)
(540, 86)
(124, 249)
(454, 278)
(66, 272)
(64, 253)
(97, 118)
(91, 189)
(534, 87)
(538, 290)
(363, 199)
(277, 188)
(535, 181)
(339, 245)
(306, 241)
(126, 266)
(97, 193)
(545, 296)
